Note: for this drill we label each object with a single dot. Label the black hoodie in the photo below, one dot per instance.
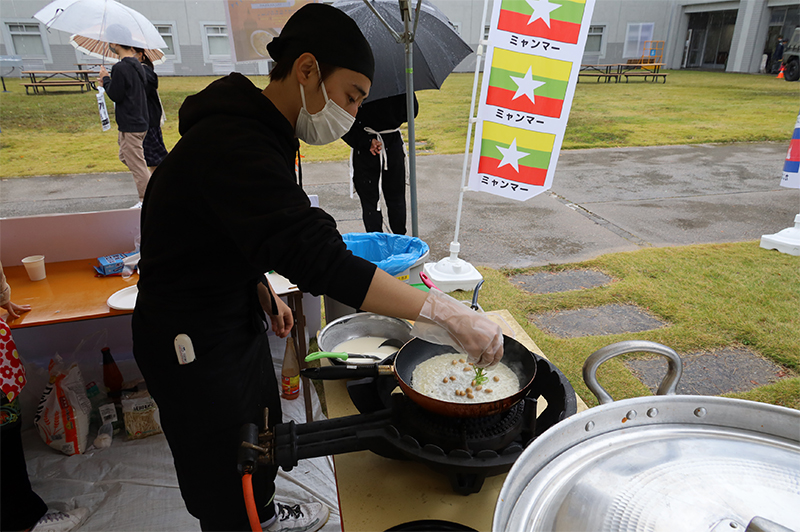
(224, 207)
(126, 88)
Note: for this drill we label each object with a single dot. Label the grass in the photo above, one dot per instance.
(60, 133)
(711, 295)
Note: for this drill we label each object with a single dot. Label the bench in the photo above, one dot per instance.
(599, 75)
(644, 75)
(60, 83)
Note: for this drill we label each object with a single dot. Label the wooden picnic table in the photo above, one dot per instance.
(606, 72)
(44, 79)
(616, 71)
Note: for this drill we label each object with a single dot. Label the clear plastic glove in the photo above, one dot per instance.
(445, 320)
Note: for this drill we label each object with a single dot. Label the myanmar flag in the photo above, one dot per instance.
(528, 83)
(556, 20)
(515, 154)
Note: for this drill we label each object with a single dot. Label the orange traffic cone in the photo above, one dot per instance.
(780, 74)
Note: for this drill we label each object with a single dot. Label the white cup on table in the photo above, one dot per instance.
(34, 265)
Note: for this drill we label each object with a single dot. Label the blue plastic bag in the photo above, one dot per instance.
(391, 253)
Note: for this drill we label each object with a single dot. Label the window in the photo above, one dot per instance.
(486, 30)
(167, 32)
(635, 37)
(594, 41)
(27, 40)
(215, 43)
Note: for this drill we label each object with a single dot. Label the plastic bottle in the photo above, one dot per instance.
(290, 372)
(104, 436)
(93, 393)
(112, 378)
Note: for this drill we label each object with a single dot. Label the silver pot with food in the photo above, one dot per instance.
(372, 335)
(661, 463)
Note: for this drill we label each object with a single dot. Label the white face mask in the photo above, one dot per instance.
(327, 125)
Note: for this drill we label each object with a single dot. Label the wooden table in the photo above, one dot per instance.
(616, 71)
(44, 79)
(606, 72)
(70, 292)
(377, 493)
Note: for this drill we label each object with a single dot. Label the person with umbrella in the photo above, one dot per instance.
(378, 161)
(227, 197)
(153, 144)
(126, 88)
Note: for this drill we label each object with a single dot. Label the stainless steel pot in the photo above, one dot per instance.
(361, 325)
(661, 463)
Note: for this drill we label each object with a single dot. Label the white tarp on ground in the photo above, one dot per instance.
(132, 486)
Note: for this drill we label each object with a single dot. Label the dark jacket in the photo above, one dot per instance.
(224, 207)
(153, 101)
(126, 89)
(380, 115)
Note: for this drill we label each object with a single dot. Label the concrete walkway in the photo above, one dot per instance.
(602, 201)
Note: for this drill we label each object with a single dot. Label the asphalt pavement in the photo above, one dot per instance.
(602, 201)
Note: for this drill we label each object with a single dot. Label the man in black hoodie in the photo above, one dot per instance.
(126, 88)
(226, 206)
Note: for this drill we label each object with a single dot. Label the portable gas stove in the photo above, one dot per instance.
(466, 450)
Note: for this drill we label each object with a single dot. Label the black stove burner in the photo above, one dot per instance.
(467, 450)
(469, 434)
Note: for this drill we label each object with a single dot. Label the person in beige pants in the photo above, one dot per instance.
(126, 88)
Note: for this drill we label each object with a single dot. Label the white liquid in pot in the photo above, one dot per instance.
(367, 345)
(450, 378)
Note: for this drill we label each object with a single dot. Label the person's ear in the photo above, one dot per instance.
(306, 68)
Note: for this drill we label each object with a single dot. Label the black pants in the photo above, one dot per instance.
(20, 507)
(203, 406)
(366, 172)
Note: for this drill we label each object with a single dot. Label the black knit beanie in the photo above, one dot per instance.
(329, 34)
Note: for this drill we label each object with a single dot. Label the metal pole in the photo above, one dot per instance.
(480, 52)
(408, 41)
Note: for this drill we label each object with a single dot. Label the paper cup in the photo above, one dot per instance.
(34, 265)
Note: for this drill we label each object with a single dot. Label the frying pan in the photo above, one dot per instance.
(416, 351)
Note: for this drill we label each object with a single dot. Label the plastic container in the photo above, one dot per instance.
(394, 254)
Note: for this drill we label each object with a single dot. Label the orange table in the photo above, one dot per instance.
(71, 292)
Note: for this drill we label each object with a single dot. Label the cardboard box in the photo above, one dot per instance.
(112, 264)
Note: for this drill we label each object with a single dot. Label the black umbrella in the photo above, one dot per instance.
(398, 31)
(437, 48)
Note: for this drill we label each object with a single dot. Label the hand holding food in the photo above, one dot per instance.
(445, 320)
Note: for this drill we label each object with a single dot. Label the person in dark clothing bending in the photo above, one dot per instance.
(228, 192)
(126, 88)
(379, 161)
(154, 148)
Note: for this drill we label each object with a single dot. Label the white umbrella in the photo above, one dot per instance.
(100, 50)
(106, 21)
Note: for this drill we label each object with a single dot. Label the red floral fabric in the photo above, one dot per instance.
(12, 372)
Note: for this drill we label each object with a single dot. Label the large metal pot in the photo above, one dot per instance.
(661, 463)
(515, 355)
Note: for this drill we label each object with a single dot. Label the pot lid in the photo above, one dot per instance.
(658, 463)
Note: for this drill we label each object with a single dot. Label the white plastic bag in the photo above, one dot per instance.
(62, 417)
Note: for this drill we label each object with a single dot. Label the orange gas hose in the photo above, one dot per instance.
(250, 502)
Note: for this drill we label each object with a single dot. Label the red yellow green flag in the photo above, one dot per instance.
(515, 154)
(528, 83)
(556, 20)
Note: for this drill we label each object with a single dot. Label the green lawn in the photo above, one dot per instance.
(60, 133)
(711, 295)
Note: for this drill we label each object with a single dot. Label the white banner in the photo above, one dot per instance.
(530, 72)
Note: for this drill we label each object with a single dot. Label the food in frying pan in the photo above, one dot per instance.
(451, 378)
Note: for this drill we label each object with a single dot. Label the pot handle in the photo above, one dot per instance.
(667, 387)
